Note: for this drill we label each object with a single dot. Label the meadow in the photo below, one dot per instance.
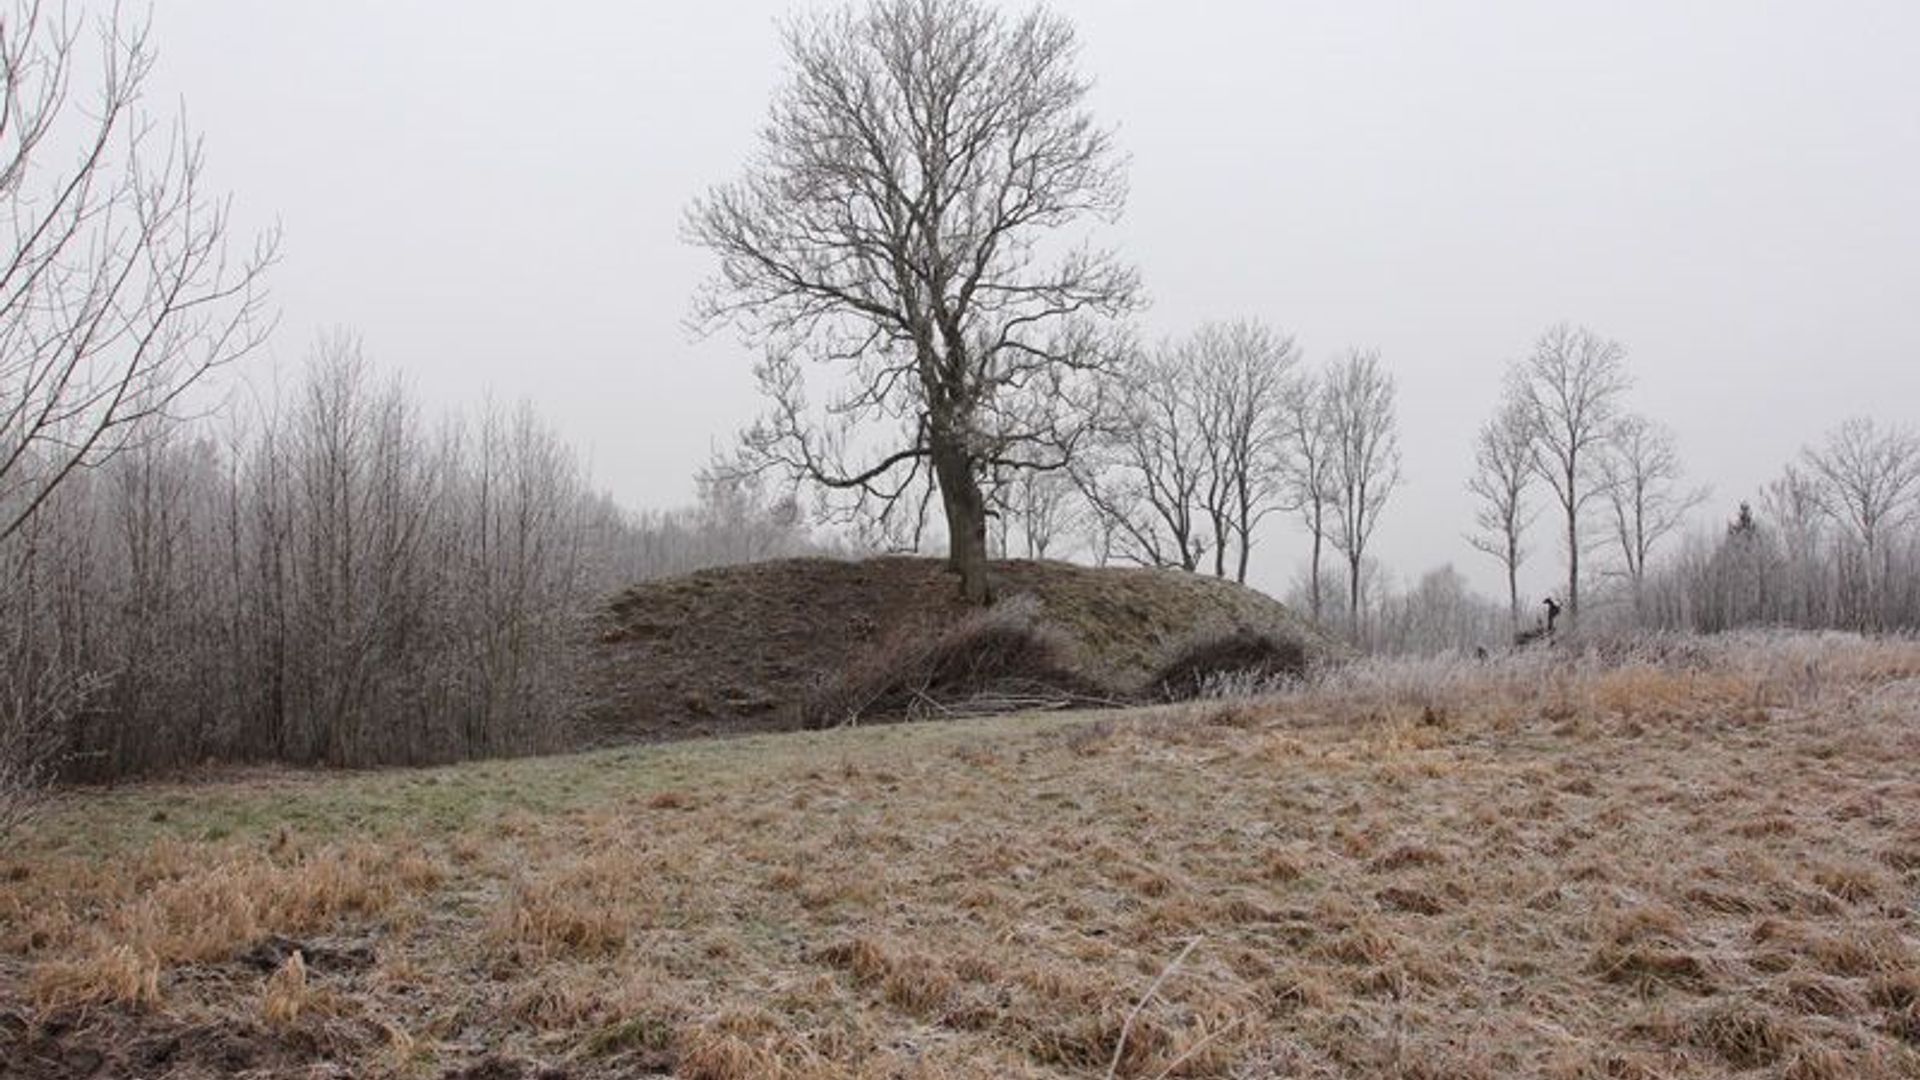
(1693, 857)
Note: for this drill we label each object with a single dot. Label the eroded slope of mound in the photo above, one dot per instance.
(737, 648)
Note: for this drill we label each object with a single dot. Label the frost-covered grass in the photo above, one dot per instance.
(1673, 857)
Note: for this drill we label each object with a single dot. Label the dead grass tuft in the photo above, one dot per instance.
(1744, 1035)
(583, 908)
(112, 975)
(287, 992)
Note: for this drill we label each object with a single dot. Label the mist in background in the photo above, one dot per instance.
(492, 198)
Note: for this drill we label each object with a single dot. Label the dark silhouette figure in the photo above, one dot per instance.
(1540, 631)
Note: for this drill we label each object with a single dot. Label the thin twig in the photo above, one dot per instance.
(1126, 1028)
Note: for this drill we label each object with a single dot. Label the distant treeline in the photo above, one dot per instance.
(334, 577)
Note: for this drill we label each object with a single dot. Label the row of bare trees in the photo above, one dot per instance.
(1834, 541)
(1188, 459)
(914, 241)
(329, 577)
(1439, 611)
(1199, 442)
(1831, 543)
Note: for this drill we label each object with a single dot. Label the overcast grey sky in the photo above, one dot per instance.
(490, 194)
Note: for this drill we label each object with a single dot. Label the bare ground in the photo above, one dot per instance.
(1701, 861)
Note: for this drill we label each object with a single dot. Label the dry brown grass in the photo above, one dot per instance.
(1697, 863)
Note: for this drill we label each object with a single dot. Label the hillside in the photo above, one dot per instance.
(733, 649)
(1694, 863)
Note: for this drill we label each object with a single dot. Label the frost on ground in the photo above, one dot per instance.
(1682, 858)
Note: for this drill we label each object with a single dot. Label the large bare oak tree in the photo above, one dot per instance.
(908, 223)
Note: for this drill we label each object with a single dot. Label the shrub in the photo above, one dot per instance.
(997, 660)
(1240, 661)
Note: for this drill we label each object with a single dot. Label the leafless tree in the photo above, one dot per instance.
(1833, 542)
(903, 222)
(1440, 613)
(119, 293)
(1042, 506)
(1191, 456)
(1242, 374)
(1641, 475)
(116, 296)
(1790, 504)
(1364, 444)
(1146, 473)
(1866, 478)
(1503, 471)
(1571, 386)
(1308, 472)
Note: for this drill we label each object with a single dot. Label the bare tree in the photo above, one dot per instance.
(116, 297)
(1146, 475)
(1365, 460)
(1308, 471)
(1041, 505)
(900, 222)
(1641, 477)
(1241, 373)
(1190, 457)
(1791, 505)
(1503, 471)
(1571, 386)
(118, 294)
(1833, 542)
(1867, 479)
(1440, 613)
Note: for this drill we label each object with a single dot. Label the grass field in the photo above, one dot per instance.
(1702, 860)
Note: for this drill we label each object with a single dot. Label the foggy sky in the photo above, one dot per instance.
(490, 194)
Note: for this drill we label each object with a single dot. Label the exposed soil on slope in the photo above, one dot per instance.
(739, 648)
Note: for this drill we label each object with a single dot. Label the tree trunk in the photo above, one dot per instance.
(1313, 582)
(966, 509)
(1573, 567)
(1513, 585)
(1353, 596)
(1571, 503)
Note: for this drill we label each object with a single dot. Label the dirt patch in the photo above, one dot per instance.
(109, 1044)
(732, 650)
(272, 952)
(90, 1044)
